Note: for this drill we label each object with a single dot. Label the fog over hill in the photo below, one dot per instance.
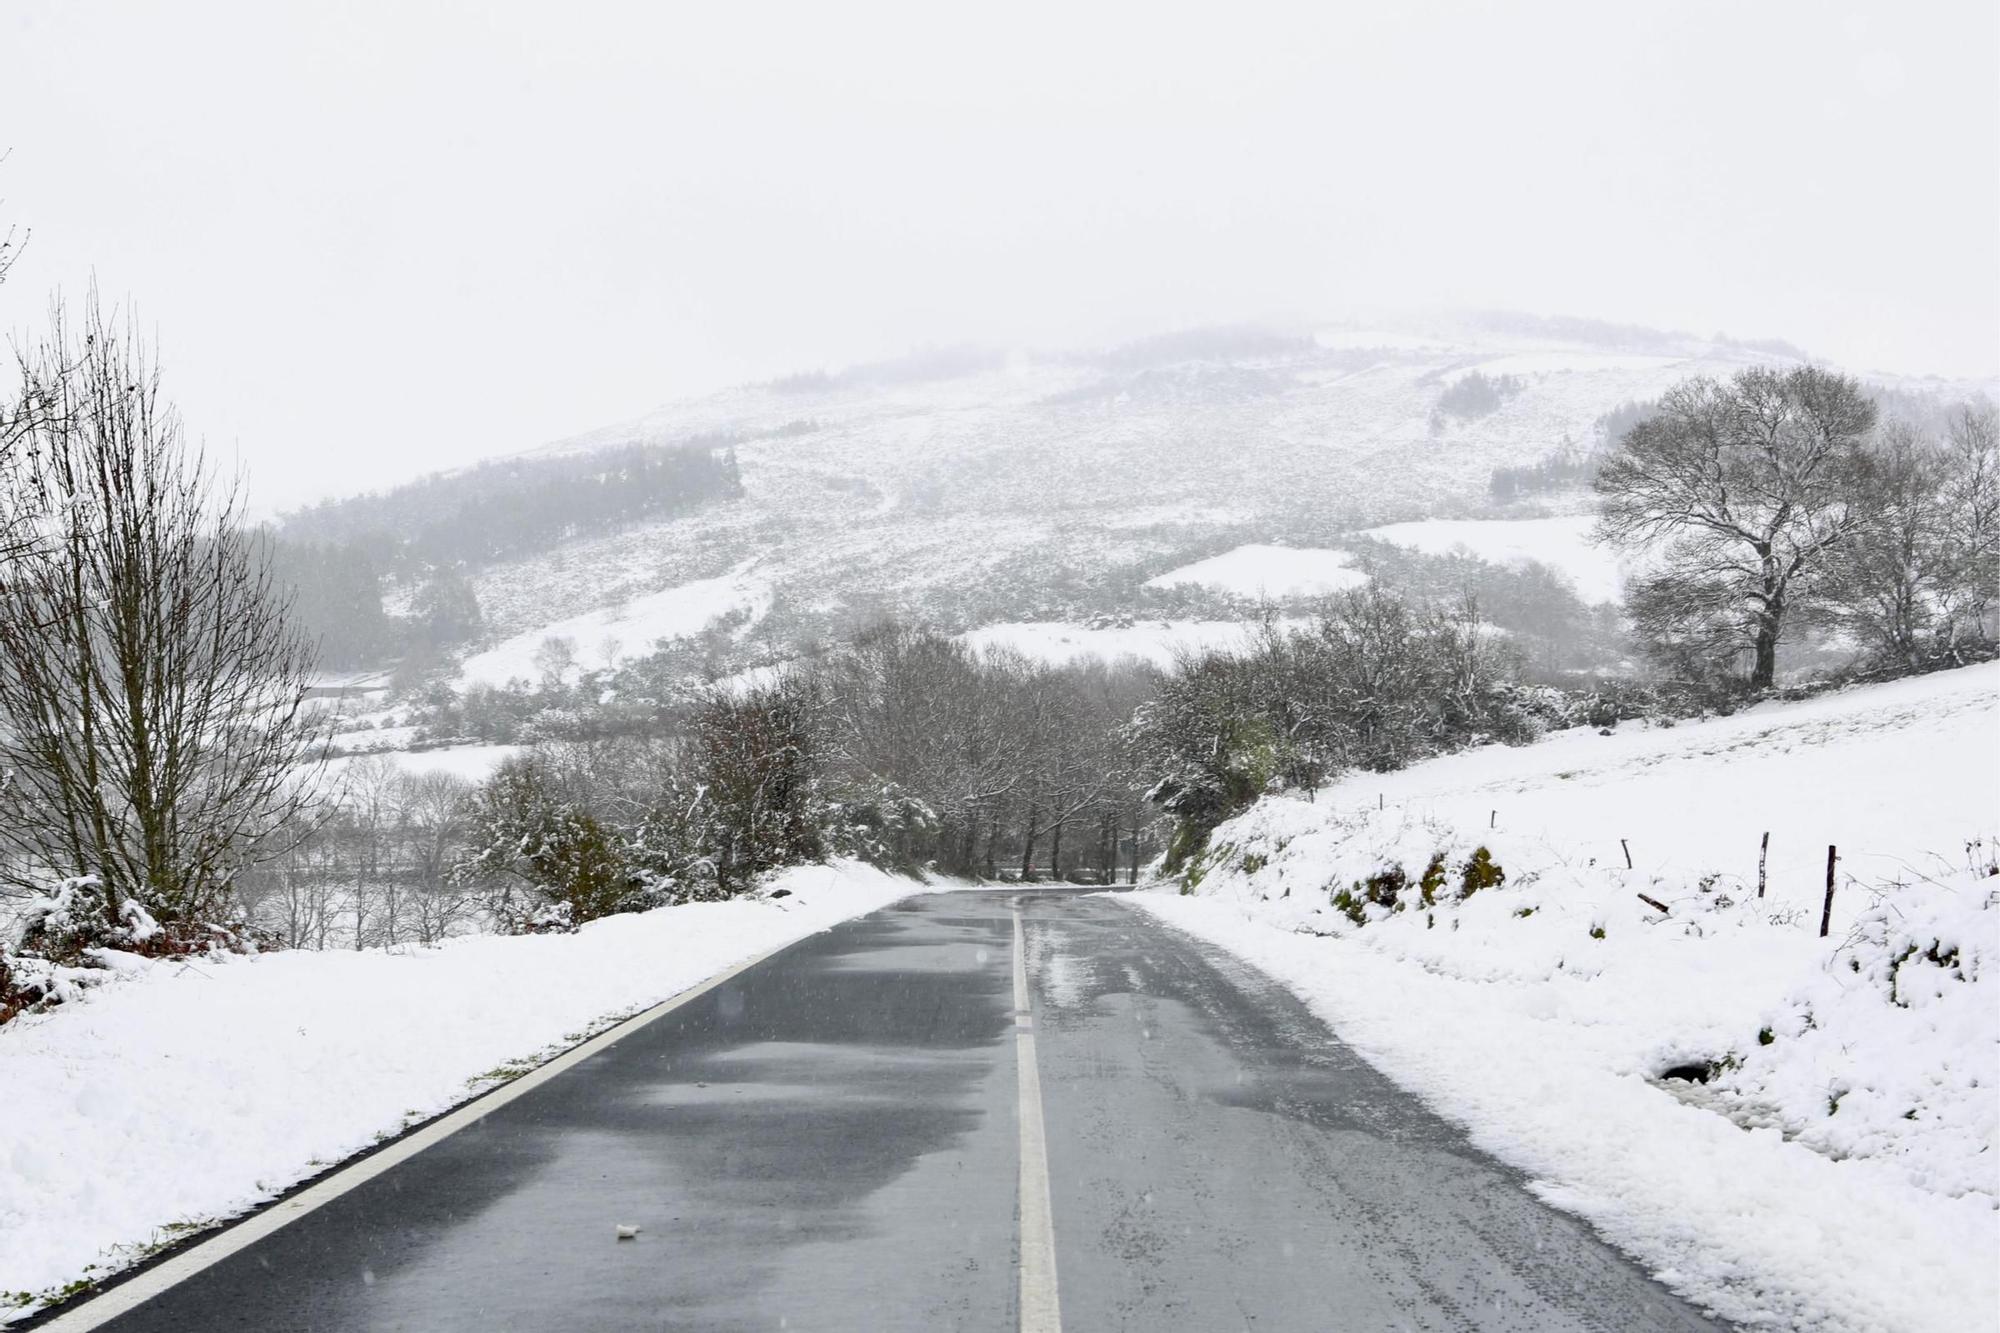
(966, 487)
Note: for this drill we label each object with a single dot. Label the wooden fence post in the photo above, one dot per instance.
(1763, 851)
(1826, 912)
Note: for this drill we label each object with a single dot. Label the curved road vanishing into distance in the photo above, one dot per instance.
(973, 1110)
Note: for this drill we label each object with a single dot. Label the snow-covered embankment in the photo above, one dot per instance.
(1839, 1167)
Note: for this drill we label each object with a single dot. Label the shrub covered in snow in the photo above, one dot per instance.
(1375, 683)
(1882, 1041)
(65, 941)
(1887, 1050)
(1797, 1131)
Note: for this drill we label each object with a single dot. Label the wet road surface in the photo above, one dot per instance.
(834, 1140)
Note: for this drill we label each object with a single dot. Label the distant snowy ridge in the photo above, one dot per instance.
(967, 490)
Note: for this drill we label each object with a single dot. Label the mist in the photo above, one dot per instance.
(381, 239)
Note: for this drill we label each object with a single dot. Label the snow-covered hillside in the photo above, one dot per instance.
(973, 490)
(600, 637)
(1839, 1167)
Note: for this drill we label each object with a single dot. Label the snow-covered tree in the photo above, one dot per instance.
(1739, 493)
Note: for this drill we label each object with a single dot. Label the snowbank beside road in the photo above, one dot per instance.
(1840, 1169)
(185, 1093)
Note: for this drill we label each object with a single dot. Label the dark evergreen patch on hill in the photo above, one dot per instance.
(1565, 469)
(516, 505)
(336, 555)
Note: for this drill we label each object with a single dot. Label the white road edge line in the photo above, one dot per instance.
(136, 1291)
(1041, 1307)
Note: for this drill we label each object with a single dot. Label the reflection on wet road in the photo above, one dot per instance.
(830, 1141)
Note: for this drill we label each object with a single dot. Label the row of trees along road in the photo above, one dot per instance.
(1773, 498)
(902, 746)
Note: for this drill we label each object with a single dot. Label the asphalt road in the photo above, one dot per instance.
(839, 1139)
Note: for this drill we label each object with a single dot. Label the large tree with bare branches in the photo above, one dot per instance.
(1739, 492)
(152, 686)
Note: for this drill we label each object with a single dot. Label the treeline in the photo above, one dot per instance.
(909, 749)
(1565, 469)
(378, 868)
(1376, 683)
(336, 592)
(903, 747)
(428, 534)
(1919, 579)
(500, 509)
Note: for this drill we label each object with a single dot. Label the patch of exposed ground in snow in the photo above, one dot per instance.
(182, 1094)
(1841, 1167)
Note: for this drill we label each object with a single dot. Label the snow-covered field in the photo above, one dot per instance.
(624, 630)
(1840, 1169)
(184, 1093)
(1156, 641)
(475, 763)
(1562, 543)
(1268, 571)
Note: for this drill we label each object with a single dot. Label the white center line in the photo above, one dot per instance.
(1041, 1310)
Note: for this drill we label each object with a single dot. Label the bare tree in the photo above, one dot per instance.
(1744, 488)
(371, 824)
(152, 685)
(927, 715)
(553, 658)
(1886, 585)
(436, 806)
(1971, 487)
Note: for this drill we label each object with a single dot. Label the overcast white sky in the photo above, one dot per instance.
(380, 238)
